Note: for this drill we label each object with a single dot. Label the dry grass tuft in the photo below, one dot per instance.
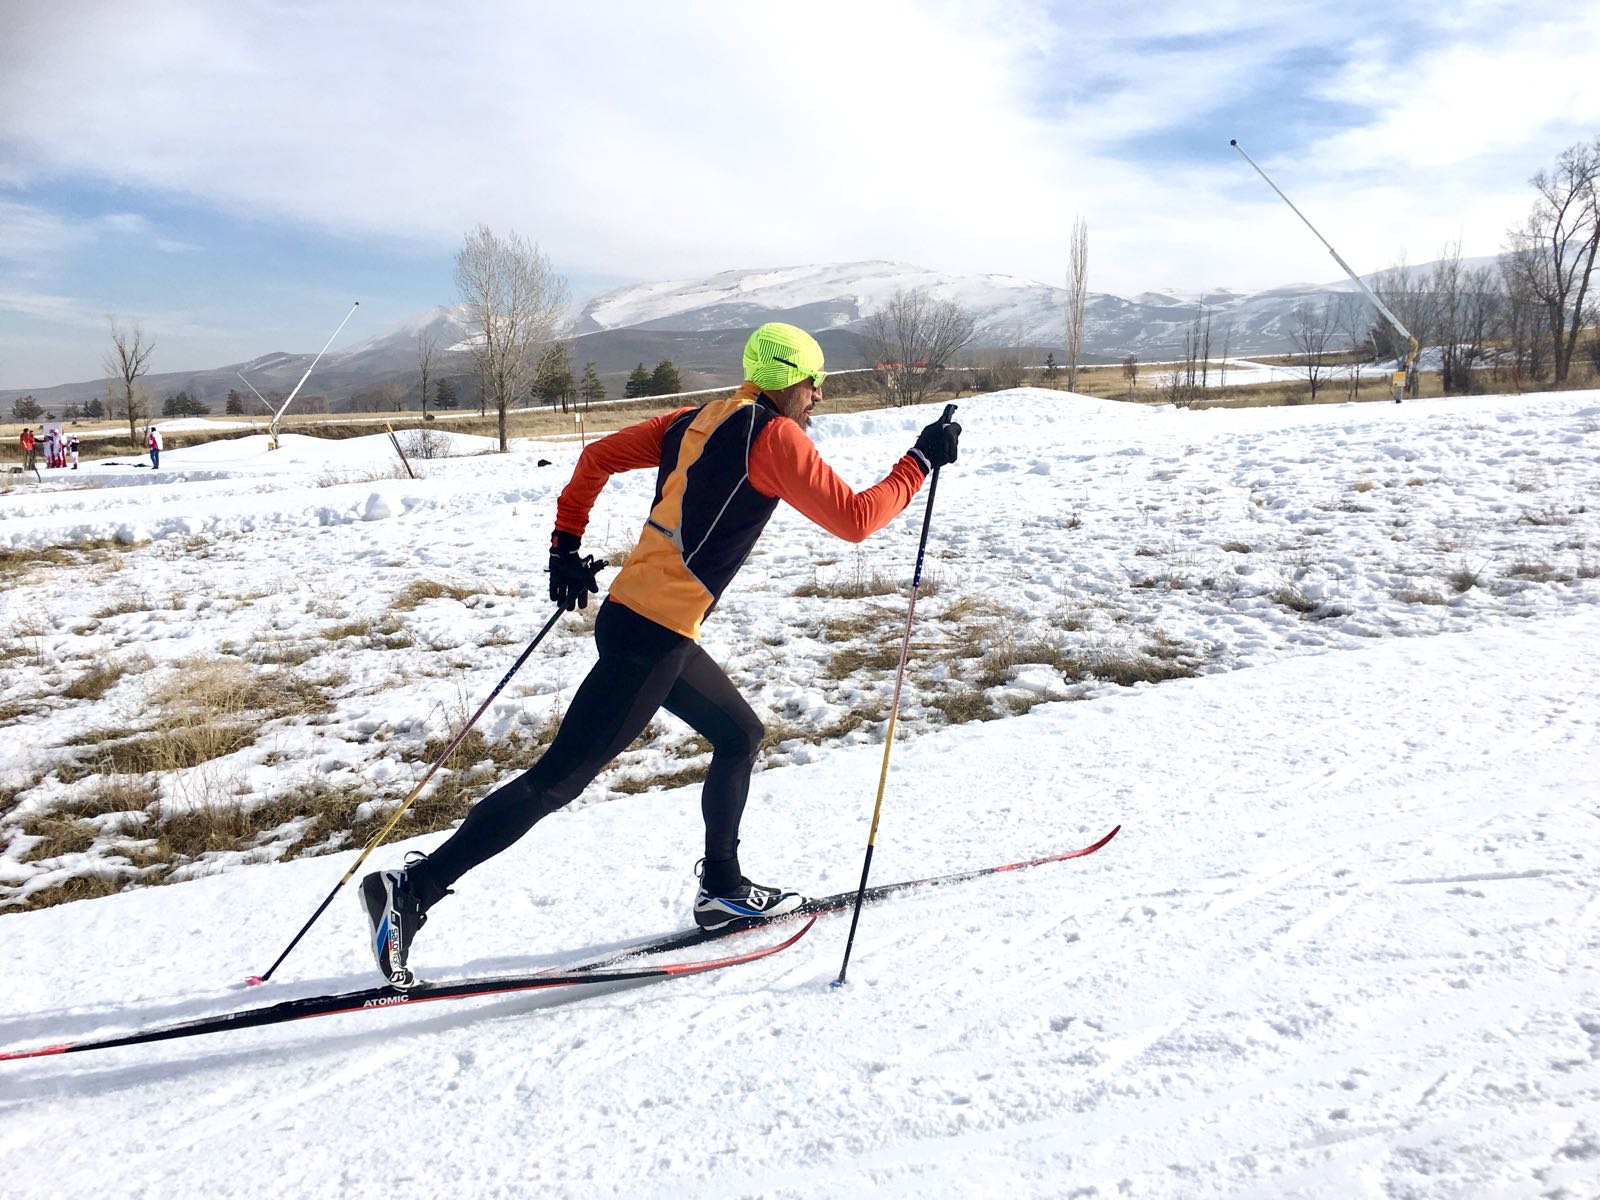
(875, 656)
(110, 794)
(101, 677)
(282, 651)
(62, 835)
(201, 829)
(853, 586)
(1465, 578)
(959, 705)
(1549, 516)
(80, 887)
(127, 600)
(1159, 659)
(420, 590)
(210, 708)
(1539, 572)
(1293, 599)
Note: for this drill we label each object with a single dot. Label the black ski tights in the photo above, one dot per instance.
(643, 668)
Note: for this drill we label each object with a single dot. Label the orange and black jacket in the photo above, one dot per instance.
(721, 470)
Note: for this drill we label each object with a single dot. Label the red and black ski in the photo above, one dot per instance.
(610, 969)
(819, 905)
(387, 996)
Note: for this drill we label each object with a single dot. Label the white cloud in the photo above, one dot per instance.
(644, 140)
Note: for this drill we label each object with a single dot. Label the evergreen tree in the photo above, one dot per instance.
(26, 408)
(639, 384)
(444, 394)
(182, 404)
(590, 388)
(94, 410)
(1050, 365)
(664, 379)
(235, 403)
(553, 382)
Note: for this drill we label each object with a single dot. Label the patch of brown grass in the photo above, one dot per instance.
(89, 886)
(210, 708)
(420, 590)
(1539, 572)
(959, 705)
(849, 587)
(1293, 599)
(101, 677)
(110, 794)
(282, 651)
(1412, 595)
(62, 835)
(1155, 664)
(874, 656)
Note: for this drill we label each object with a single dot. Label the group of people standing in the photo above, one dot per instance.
(59, 450)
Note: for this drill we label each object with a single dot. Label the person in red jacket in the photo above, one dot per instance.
(27, 442)
(721, 470)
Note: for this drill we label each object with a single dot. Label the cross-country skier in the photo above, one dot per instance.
(720, 471)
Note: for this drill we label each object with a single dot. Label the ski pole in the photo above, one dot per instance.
(894, 712)
(378, 837)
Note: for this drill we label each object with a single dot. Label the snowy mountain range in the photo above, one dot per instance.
(1009, 310)
(700, 324)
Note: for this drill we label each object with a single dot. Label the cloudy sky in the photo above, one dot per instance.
(233, 175)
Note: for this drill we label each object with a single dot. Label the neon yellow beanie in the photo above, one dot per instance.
(778, 356)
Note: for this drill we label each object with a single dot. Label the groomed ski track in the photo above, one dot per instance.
(1345, 945)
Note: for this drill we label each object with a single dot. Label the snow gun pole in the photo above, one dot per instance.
(894, 712)
(378, 837)
(252, 387)
(1408, 360)
(278, 416)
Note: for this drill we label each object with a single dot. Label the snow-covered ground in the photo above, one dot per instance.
(1345, 945)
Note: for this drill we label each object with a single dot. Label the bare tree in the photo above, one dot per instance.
(1351, 319)
(515, 300)
(1405, 296)
(1554, 250)
(1526, 323)
(1130, 372)
(912, 340)
(1313, 333)
(1077, 292)
(427, 355)
(128, 358)
(1186, 382)
(1467, 311)
(998, 368)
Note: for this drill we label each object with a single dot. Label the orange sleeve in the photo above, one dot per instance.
(784, 463)
(630, 449)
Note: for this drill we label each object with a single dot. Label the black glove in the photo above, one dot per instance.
(937, 444)
(572, 577)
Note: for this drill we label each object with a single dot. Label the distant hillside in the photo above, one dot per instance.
(701, 325)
